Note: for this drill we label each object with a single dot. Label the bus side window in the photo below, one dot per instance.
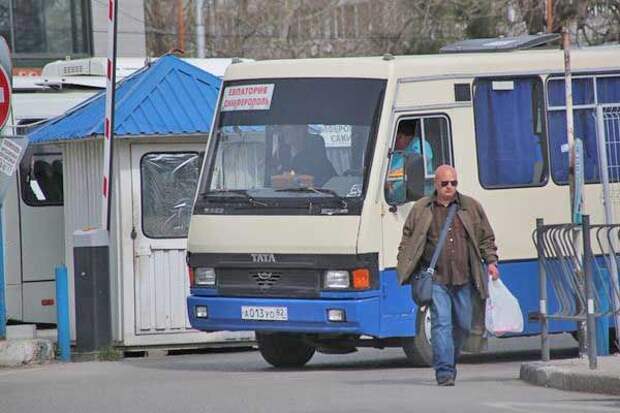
(420, 145)
(510, 135)
(41, 180)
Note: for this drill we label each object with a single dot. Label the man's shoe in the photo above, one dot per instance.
(448, 381)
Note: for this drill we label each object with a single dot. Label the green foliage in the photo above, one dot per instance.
(109, 354)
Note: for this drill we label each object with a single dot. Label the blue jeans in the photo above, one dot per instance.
(451, 314)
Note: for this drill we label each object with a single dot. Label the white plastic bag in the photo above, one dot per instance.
(503, 314)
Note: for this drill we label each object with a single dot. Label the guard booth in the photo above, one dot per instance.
(162, 121)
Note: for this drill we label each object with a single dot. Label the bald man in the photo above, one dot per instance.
(459, 282)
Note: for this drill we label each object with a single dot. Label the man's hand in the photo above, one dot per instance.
(493, 271)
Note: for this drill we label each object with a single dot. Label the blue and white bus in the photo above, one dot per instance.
(305, 254)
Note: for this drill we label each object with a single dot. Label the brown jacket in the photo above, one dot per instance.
(482, 247)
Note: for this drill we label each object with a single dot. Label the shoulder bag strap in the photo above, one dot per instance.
(442, 236)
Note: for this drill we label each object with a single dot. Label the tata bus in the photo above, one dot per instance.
(307, 258)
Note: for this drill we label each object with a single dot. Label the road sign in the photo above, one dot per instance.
(5, 97)
(12, 150)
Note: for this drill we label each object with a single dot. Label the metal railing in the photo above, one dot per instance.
(575, 263)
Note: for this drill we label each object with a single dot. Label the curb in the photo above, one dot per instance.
(541, 374)
(17, 353)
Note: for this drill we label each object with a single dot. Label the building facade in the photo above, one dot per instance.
(40, 31)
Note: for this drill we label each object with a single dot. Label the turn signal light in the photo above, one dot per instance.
(190, 272)
(361, 279)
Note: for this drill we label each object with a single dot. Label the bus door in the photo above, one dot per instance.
(36, 226)
(425, 139)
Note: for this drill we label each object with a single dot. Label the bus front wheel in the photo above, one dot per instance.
(284, 349)
(418, 349)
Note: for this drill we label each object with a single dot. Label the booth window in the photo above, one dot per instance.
(169, 183)
(420, 145)
(588, 92)
(41, 180)
(510, 135)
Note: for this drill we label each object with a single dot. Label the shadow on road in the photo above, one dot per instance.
(527, 355)
(251, 362)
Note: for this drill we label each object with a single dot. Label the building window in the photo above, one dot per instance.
(169, 183)
(420, 145)
(510, 138)
(588, 92)
(41, 180)
(46, 29)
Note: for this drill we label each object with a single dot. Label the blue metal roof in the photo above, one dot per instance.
(168, 97)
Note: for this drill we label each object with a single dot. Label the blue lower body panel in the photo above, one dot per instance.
(385, 312)
(304, 315)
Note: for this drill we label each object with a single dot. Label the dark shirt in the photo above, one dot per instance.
(453, 263)
(312, 160)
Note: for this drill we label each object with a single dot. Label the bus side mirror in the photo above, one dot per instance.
(414, 176)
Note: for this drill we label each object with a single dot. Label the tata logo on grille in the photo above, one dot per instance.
(263, 258)
(265, 275)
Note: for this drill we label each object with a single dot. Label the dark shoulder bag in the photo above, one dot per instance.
(422, 281)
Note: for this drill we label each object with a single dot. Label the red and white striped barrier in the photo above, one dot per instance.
(109, 114)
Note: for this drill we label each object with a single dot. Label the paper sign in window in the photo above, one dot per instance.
(9, 156)
(247, 97)
(337, 136)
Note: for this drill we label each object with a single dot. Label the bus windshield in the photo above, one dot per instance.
(293, 139)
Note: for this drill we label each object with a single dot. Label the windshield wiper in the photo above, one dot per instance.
(307, 189)
(233, 192)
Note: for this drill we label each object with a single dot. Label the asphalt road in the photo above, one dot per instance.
(367, 381)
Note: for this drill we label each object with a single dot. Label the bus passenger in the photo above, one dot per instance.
(459, 282)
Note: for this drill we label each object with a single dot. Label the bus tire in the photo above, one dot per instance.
(284, 350)
(418, 349)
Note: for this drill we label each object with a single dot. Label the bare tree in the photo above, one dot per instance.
(265, 29)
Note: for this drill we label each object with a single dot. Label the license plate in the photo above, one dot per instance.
(264, 313)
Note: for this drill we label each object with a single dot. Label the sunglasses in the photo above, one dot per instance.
(453, 183)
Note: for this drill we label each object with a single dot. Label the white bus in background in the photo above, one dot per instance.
(33, 209)
(33, 217)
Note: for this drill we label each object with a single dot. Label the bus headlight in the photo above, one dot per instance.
(336, 315)
(204, 277)
(201, 311)
(337, 279)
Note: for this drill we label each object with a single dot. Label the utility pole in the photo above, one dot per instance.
(200, 30)
(12, 150)
(180, 26)
(570, 131)
(549, 16)
(575, 180)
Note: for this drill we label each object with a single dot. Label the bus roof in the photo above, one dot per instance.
(90, 73)
(421, 66)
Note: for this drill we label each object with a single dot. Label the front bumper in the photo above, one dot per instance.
(304, 315)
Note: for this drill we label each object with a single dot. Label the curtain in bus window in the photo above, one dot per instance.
(583, 92)
(340, 158)
(168, 187)
(247, 160)
(509, 151)
(338, 143)
(585, 129)
(608, 89)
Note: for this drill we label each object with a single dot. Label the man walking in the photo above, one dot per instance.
(459, 282)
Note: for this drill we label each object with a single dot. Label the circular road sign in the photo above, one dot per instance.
(5, 97)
